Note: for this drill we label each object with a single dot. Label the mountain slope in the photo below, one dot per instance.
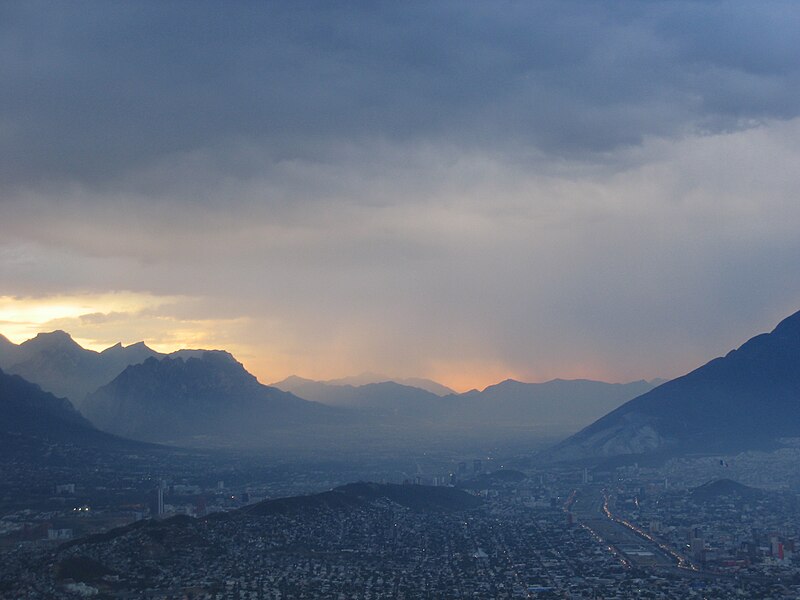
(746, 399)
(560, 404)
(8, 351)
(565, 405)
(61, 366)
(725, 488)
(29, 410)
(334, 391)
(388, 396)
(32, 417)
(434, 387)
(176, 400)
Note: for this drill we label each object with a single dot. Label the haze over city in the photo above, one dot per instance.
(445, 190)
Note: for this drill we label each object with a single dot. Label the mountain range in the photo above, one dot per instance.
(61, 366)
(749, 398)
(434, 387)
(196, 398)
(385, 395)
(562, 405)
(192, 396)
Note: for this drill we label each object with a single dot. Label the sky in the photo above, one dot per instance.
(466, 191)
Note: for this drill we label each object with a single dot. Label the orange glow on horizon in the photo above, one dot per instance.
(99, 321)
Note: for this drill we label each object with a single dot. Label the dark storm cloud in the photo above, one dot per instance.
(92, 90)
(535, 189)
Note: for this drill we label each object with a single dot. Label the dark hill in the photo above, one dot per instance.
(415, 497)
(344, 498)
(746, 399)
(725, 488)
(29, 410)
(32, 417)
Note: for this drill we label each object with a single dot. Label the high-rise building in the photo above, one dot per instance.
(156, 502)
(697, 546)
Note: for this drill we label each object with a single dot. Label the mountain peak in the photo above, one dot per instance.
(138, 350)
(53, 339)
(55, 361)
(202, 354)
(292, 380)
(187, 394)
(744, 400)
(57, 335)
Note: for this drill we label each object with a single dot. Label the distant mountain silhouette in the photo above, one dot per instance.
(28, 413)
(61, 366)
(564, 405)
(561, 404)
(747, 399)
(324, 389)
(386, 396)
(8, 351)
(428, 385)
(177, 400)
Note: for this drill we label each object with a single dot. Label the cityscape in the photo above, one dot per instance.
(399, 300)
(631, 531)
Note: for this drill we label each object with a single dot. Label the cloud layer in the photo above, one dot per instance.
(459, 191)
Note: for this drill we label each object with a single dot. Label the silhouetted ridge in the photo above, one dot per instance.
(33, 418)
(48, 341)
(353, 495)
(747, 399)
(723, 488)
(205, 394)
(558, 405)
(61, 366)
(27, 407)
